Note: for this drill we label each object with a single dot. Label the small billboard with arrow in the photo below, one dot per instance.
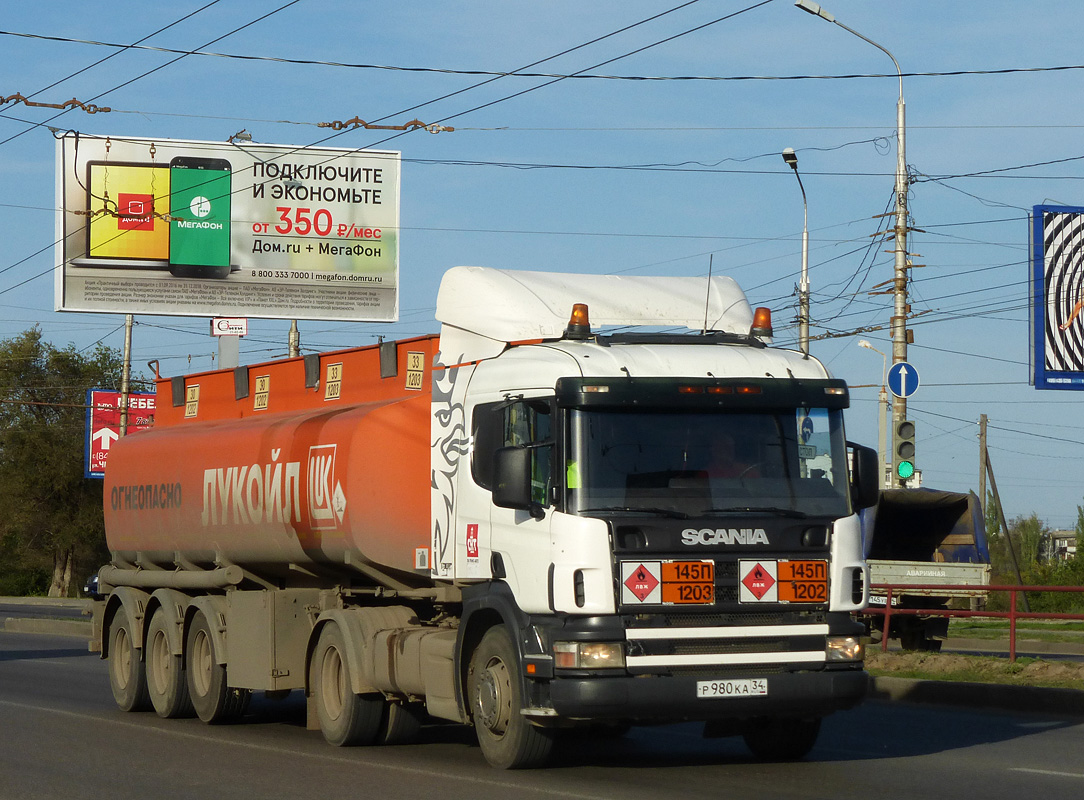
(103, 424)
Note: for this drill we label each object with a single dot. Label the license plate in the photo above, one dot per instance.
(688, 582)
(803, 581)
(738, 687)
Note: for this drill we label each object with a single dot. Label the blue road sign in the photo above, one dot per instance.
(902, 379)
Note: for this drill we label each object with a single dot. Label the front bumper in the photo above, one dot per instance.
(661, 699)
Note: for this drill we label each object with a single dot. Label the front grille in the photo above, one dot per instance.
(710, 673)
(716, 620)
(704, 646)
(779, 644)
(727, 646)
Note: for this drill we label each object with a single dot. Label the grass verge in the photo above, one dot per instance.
(977, 669)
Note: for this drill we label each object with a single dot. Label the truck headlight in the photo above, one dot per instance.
(588, 655)
(845, 648)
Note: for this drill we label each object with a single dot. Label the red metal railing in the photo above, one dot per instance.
(1012, 615)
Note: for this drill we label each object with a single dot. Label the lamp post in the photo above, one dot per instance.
(791, 160)
(882, 407)
(899, 317)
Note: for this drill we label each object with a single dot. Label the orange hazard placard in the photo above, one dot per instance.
(688, 582)
(803, 581)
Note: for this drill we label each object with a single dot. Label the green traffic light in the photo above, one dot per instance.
(905, 469)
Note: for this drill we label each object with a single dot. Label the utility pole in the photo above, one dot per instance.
(1005, 531)
(982, 465)
(295, 340)
(126, 375)
(884, 480)
(791, 160)
(900, 334)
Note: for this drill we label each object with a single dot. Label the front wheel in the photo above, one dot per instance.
(507, 739)
(782, 739)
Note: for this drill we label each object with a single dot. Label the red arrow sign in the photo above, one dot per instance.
(103, 424)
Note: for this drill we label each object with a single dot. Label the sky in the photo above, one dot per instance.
(659, 154)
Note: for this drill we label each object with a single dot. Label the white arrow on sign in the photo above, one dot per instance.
(903, 379)
(107, 436)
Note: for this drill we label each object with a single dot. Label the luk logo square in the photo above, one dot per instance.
(321, 486)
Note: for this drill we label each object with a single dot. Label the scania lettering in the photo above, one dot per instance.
(722, 536)
(527, 524)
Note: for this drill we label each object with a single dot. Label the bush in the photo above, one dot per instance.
(25, 583)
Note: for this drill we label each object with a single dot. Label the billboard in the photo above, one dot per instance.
(1057, 297)
(226, 229)
(103, 424)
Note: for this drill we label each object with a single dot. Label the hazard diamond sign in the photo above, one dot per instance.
(103, 424)
(640, 582)
(758, 582)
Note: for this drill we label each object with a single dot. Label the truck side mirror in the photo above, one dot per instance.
(865, 480)
(512, 480)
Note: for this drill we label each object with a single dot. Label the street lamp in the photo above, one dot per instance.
(791, 159)
(882, 435)
(899, 317)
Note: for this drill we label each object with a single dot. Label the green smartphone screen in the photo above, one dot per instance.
(199, 229)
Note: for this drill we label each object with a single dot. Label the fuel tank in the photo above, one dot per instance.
(291, 477)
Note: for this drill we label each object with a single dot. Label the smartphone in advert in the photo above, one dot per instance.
(128, 205)
(199, 210)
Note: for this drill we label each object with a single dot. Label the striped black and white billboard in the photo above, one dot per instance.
(1057, 295)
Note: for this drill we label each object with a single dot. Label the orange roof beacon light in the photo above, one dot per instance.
(762, 322)
(579, 326)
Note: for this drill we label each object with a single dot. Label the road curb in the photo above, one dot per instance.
(55, 602)
(56, 627)
(994, 696)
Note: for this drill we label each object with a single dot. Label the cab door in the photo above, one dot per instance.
(516, 545)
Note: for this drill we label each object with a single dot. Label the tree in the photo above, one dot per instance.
(52, 516)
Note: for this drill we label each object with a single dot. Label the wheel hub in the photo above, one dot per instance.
(493, 697)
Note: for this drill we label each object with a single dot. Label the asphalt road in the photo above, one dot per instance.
(63, 737)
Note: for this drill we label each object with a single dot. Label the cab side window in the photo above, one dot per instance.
(504, 424)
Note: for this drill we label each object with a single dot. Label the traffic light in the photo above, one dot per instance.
(903, 449)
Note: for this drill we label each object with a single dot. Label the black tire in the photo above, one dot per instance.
(782, 739)
(212, 698)
(127, 676)
(912, 638)
(166, 681)
(346, 719)
(507, 738)
(401, 723)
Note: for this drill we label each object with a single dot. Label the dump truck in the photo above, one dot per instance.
(924, 536)
(589, 502)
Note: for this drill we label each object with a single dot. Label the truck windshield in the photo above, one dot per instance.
(707, 463)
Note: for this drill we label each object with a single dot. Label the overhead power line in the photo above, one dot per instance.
(518, 74)
(160, 66)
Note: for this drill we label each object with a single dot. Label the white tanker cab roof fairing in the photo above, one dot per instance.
(482, 310)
